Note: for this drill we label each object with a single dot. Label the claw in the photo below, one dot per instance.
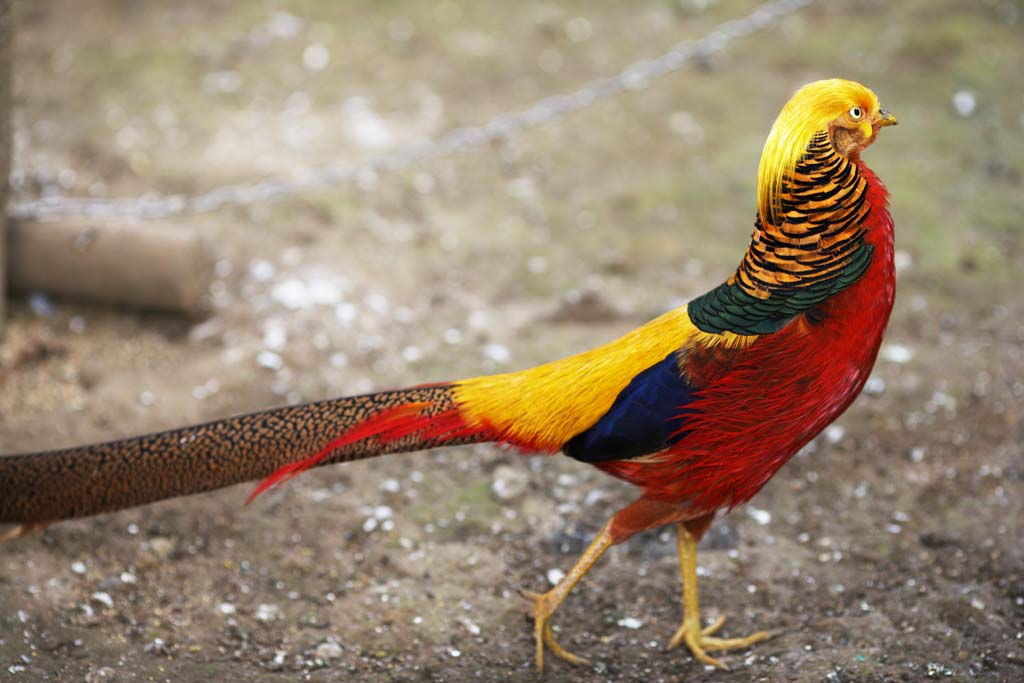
(703, 642)
(22, 530)
(543, 608)
(708, 630)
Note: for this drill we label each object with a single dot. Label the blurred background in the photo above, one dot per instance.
(888, 550)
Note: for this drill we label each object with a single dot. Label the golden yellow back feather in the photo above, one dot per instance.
(811, 109)
(543, 407)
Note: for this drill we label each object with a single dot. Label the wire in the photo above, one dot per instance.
(636, 76)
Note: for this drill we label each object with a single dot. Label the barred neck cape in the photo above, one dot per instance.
(817, 250)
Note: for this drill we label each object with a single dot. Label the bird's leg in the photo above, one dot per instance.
(22, 530)
(640, 515)
(700, 640)
(545, 604)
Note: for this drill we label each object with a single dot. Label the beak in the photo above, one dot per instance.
(885, 119)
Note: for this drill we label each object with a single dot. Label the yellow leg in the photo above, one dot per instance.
(545, 604)
(699, 639)
(22, 530)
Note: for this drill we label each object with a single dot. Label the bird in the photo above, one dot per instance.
(697, 409)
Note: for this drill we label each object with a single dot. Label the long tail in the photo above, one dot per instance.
(275, 445)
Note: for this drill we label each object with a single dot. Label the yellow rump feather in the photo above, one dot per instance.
(543, 407)
(811, 109)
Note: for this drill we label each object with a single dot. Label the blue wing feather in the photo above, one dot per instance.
(646, 417)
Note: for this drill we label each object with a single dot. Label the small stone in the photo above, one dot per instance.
(103, 598)
(103, 673)
(162, 547)
(555, 575)
(762, 517)
(897, 353)
(327, 650)
(835, 433)
(964, 102)
(497, 353)
(277, 663)
(266, 613)
(261, 271)
(157, 646)
(316, 57)
(874, 386)
(78, 567)
(630, 622)
(509, 482)
(226, 608)
(269, 360)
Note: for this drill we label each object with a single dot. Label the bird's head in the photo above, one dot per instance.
(848, 111)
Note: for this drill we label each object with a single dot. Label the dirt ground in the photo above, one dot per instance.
(888, 550)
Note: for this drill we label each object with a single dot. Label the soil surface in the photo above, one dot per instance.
(888, 550)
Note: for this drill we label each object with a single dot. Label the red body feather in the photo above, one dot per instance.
(779, 392)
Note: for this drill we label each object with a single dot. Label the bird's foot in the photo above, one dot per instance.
(22, 530)
(543, 606)
(701, 640)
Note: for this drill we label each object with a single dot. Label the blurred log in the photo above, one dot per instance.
(152, 266)
(6, 82)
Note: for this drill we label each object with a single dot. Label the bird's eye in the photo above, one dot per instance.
(856, 113)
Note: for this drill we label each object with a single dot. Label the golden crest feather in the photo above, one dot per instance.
(811, 109)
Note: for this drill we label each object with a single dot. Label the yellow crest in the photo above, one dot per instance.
(811, 109)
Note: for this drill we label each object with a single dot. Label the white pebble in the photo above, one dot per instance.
(630, 622)
(509, 482)
(266, 612)
(275, 336)
(226, 608)
(103, 598)
(874, 386)
(316, 57)
(78, 567)
(835, 433)
(555, 575)
(270, 360)
(261, 271)
(328, 650)
(964, 102)
(762, 517)
(897, 353)
(497, 353)
(283, 25)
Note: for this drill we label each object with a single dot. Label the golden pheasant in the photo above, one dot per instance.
(697, 408)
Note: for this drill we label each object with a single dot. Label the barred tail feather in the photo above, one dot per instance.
(418, 420)
(38, 488)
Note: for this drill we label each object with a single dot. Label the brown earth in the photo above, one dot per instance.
(889, 551)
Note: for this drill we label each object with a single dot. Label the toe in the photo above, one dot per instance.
(558, 650)
(714, 626)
